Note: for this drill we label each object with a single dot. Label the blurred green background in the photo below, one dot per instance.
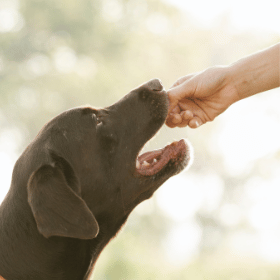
(221, 218)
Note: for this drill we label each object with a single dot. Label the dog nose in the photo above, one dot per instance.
(155, 85)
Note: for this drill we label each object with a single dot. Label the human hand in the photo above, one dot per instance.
(198, 98)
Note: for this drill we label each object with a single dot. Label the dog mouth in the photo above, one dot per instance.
(176, 156)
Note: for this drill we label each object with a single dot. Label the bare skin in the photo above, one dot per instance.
(199, 98)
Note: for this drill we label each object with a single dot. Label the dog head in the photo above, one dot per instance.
(86, 172)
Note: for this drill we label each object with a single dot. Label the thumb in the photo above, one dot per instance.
(182, 80)
(176, 94)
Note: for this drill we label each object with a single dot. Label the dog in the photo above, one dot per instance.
(77, 182)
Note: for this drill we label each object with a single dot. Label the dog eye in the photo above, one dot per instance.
(97, 119)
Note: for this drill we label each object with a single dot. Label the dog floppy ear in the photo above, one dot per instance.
(57, 209)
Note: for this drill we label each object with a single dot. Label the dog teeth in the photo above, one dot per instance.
(145, 163)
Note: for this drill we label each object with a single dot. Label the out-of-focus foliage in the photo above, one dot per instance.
(55, 55)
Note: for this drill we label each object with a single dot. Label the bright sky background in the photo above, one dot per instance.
(243, 14)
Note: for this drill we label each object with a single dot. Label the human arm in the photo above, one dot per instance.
(198, 98)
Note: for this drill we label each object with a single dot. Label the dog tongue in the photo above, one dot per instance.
(150, 155)
(151, 163)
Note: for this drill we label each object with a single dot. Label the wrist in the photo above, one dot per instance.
(230, 83)
(243, 78)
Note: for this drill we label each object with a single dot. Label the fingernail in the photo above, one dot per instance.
(197, 124)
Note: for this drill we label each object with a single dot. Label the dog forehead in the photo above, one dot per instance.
(70, 130)
(73, 119)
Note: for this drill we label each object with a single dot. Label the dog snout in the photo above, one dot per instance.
(155, 85)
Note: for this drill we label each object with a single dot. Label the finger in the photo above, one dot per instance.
(169, 120)
(177, 118)
(182, 80)
(176, 110)
(184, 123)
(173, 120)
(173, 109)
(185, 106)
(187, 115)
(176, 94)
(192, 110)
(182, 91)
(170, 124)
(195, 122)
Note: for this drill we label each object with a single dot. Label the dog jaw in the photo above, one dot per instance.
(177, 154)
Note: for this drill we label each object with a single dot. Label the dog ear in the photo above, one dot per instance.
(57, 209)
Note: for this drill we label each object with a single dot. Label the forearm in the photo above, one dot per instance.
(256, 73)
